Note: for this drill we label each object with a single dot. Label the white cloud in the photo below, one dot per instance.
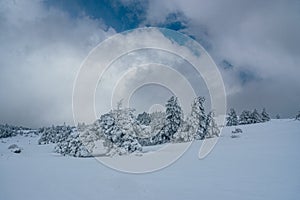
(40, 53)
(261, 37)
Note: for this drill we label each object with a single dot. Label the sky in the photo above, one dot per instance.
(255, 44)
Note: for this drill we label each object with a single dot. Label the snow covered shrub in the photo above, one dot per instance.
(235, 136)
(232, 119)
(236, 133)
(72, 146)
(15, 148)
(54, 134)
(237, 130)
(90, 136)
(82, 141)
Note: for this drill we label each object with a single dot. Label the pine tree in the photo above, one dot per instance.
(211, 129)
(197, 118)
(245, 117)
(158, 121)
(255, 117)
(183, 134)
(232, 119)
(174, 117)
(265, 116)
(121, 130)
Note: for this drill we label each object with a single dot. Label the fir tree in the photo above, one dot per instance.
(232, 119)
(255, 117)
(197, 118)
(174, 118)
(245, 117)
(265, 116)
(211, 128)
(120, 130)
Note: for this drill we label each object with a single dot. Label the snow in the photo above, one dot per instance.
(263, 163)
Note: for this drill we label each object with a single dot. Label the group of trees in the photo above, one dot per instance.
(10, 130)
(122, 132)
(54, 134)
(246, 117)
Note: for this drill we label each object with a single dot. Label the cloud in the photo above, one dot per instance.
(41, 50)
(259, 38)
(43, 45)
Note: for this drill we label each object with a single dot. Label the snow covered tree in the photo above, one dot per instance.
(54, 134)
(174, 118)
(183, 134)
(72, 146)
(144, 118)
(232, 119)
(211, 127)
(90, 136)
(255, 117)
(121, 131)
(11, 130)
(158, 120)
(154, 133)
(197, 118)
(298, 116)
(277, 116)
(265, 116)
(245, 117)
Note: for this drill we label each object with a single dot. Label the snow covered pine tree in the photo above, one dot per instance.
(255, 117)
(174, 117)
(265, 116)
(211, 127)
(197, 119)
(245, 117)
(120, 130)
(232, 119)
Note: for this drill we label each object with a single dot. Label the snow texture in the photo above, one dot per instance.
(263, 163)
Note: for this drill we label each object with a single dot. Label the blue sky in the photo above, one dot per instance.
(255, 45)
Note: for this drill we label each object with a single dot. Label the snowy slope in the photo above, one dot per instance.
(264, 163)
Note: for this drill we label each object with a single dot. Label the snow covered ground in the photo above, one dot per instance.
(264, 163)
